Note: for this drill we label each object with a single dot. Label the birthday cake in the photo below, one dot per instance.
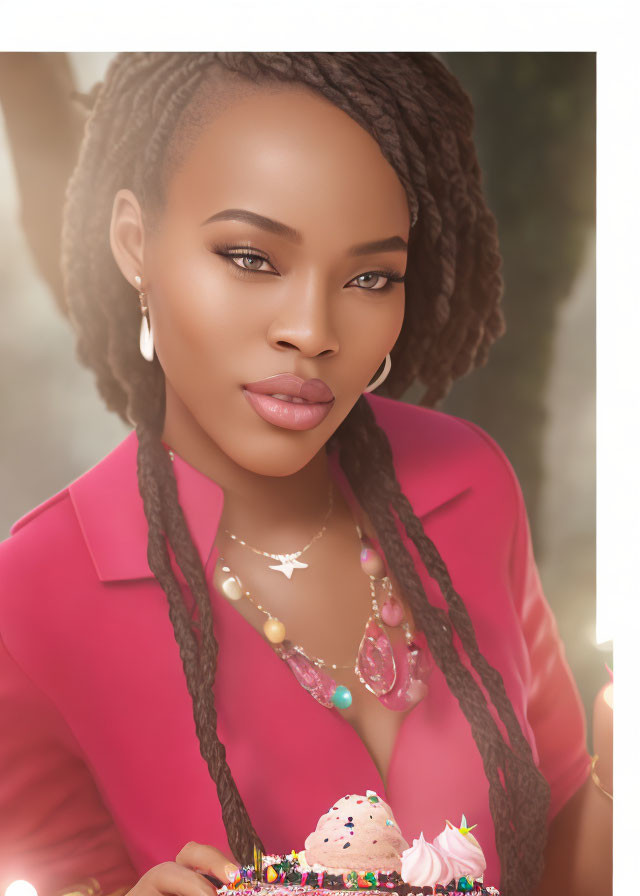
(358, 845)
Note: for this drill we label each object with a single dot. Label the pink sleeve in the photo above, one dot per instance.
(554, 707)
(54, 828)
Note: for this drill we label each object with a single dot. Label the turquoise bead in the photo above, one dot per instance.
(341, 697)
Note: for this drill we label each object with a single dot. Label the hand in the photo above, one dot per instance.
(184, 877)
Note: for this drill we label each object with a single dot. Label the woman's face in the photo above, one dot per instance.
(254, 270)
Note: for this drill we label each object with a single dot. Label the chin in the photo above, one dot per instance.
(276, 460)
(264, 449)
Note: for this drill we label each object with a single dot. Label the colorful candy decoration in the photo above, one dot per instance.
(463, 826)
(288, 870)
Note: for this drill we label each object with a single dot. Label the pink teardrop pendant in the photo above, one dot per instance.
(375, 663)
(414, 666)
(318, 683)
(370, 560)
(392, 612)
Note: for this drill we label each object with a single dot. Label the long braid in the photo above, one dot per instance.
(158, 488)
(521, 784)
(422, 121)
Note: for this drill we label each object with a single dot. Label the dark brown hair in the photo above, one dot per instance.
(423, 121)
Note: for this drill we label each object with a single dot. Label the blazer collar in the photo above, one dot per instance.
(111, 515)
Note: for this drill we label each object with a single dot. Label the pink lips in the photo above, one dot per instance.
(288, 384)
(318, 400)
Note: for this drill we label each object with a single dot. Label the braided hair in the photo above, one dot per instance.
(141, 116)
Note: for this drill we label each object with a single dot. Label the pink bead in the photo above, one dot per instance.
(392, 613)
(371, 562)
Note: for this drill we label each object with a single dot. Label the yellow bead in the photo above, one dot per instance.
(274, 630)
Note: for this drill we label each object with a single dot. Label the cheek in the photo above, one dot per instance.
(201, 324)
(371, 330)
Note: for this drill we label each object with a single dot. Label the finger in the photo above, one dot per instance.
(208, 859)
(176, 880)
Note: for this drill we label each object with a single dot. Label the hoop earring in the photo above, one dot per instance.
(383, 375)
(146, 330)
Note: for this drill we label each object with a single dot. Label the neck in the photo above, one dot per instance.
(270, 510)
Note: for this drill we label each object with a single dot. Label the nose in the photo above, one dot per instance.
(305, 321)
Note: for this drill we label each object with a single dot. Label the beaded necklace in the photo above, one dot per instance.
(397, 677)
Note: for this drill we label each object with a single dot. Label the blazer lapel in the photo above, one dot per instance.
(111, 514)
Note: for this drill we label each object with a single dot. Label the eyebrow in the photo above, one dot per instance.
(388, 244)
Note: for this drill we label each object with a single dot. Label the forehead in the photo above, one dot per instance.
(290, 154)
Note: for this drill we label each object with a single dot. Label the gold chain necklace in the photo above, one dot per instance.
(287, 563)
(397, 676)
(230, 585)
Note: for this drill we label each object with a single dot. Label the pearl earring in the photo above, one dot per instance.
(383, 375)
(146, 330)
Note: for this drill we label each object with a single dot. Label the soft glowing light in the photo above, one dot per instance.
(21, 888)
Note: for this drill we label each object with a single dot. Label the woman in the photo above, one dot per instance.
(317, 218)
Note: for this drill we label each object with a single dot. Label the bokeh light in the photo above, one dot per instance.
(21, 888)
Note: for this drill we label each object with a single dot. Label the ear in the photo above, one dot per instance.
(126, 235)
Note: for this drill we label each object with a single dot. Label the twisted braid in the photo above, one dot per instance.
(515, 785)
(199, 655)
(144, 112)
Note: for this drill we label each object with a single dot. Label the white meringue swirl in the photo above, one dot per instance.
(463, 852)
(424, 865)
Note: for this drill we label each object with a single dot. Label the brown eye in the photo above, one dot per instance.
(377, 280)
(371, 280)
(249, 260)
(254, 261)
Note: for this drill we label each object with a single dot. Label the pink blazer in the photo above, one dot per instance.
(100, 770)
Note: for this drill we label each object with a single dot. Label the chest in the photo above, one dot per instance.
(325, 608)
(289, 756)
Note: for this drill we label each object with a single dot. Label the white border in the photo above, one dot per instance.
(498, 25)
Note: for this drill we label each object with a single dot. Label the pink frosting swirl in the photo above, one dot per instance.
(423, 865)
(462, 850)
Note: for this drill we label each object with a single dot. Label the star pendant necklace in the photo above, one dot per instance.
(287, 563)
